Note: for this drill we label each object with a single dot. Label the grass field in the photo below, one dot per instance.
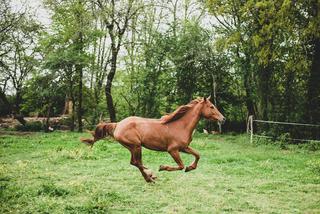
(55, 173)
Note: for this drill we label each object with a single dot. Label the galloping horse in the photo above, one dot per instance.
(171, 133)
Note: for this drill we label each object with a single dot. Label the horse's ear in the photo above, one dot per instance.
(207, 98)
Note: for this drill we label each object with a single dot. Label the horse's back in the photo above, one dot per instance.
(144, 131)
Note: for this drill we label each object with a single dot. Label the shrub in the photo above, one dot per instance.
(65, 122)
(284, 140)
(30, 126)
(313, 146)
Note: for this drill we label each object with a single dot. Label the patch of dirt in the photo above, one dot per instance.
(9, 122)
(16, 133)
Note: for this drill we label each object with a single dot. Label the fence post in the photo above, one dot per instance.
(248, 125)
(251, 128)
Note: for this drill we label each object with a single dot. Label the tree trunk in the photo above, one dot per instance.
(248, 98)
(72, 114)
(20, 118)
(264, 91)
(95, 109)
(16, 111)
(18, 102)
(313, 87)
(288, 98)
(79, 70)
(46, 128)
(4, 100)
(110, 105)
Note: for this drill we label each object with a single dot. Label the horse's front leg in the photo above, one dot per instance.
(176, 156)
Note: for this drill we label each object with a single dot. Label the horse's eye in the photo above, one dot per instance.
(212, 107)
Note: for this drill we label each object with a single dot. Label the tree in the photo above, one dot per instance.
(252, 33)
(72, 25)
(100, 61)
(9, 21)
(312, 32)
(272, 45)
(18, 39)
(116, 17)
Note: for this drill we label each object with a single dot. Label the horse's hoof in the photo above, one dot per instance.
(161, 168)
(189, 168)
(150, 173)
(150, 180)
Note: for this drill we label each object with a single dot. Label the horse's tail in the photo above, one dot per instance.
(102, 130)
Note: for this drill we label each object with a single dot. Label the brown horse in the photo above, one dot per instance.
(171, 133)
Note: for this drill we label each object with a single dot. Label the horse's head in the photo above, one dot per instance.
(210, 112)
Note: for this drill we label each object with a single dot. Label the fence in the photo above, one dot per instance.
(250, 129)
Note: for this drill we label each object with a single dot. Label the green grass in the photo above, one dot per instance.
(55, 173)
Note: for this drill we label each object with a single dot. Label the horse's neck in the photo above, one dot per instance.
(191, 119)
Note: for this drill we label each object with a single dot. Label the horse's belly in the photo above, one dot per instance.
(157, 146)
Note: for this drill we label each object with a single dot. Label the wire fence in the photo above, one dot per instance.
(288, 131)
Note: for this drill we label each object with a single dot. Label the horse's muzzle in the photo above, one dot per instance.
(223, 120)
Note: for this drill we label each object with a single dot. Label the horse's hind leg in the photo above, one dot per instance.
(196, 154)
(176, 156)
(137, 161)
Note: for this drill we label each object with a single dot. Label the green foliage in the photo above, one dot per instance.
(284, 139)
(19, 53)
(267, 42)
(43, 93)
(313, 145)
(30, 127)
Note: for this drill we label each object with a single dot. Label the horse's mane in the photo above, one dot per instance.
(179, 112)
